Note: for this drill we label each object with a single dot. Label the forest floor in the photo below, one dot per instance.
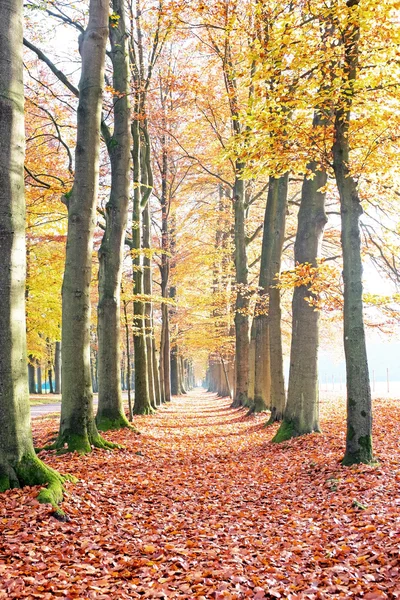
(202, 505)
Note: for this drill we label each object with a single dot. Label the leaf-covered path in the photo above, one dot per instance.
(202, 505)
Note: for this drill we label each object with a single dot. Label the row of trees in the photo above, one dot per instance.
(202, 165)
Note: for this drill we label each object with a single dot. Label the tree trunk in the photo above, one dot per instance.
(182, 382)
(31, 376)
(148, 308)
(110, 413)
(242, 300)
(269, 389)
(78, 430)
(278, 396)
(165, 350)
(50, 378)
(301, 414)
(128, 361)
(57, 368)
(142, 404)
(359, 409)
(39, 378)
(19, 465)
(156, 374)
(175, 387)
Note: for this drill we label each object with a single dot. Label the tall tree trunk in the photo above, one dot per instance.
(175, 385)
(242, 301)
(273, 233)
(39, 378)
(359, 409)
(50, 378)
(110, 413)
(301, 414)
(156, 374)
(19, 465)
(278, 396)
(148, 308)
(31, 376)
(142, 403)
(57, 368)
(128, 361)
(78, 430)
(165, 350)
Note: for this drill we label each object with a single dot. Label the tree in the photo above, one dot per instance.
(110, 414)
(78, 430)
(359, 408)
(18, 463)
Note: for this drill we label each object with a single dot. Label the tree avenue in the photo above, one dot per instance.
(202, 198)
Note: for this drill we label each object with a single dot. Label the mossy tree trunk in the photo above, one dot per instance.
(302, 414)
(78, 430)
(110, 413)
(359, 409)
(19, 465)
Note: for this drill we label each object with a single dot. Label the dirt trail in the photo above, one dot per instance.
(202, 505)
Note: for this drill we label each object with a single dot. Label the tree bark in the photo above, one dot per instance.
(128, 361)
(142, 404)
(301, 414)
(19, 465)
(148, 308)
(278, 396)
(50, 378)
(242, 341)
(32, 376)
(165, 350)
(39, 377)
(78, 430)
(110, 413)
(57, 368)
(359, 408)
(269, 390)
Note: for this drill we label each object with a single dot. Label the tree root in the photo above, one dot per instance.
(83, 444)
(32, 471)
(145, 410)
(105, 423)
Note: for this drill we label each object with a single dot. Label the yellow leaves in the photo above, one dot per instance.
(323, 283)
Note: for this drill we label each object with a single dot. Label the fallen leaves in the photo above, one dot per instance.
(202, 506)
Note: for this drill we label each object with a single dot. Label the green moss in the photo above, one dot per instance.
(363, 454)
(351, 434)
(143, 410)
(352, 403)
(106, 423)
(32, 471)
(5, 483)
(285, 432)
(259, 405)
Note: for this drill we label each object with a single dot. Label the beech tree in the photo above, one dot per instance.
(19, 465)
(78, 430)
(359, 408)
(110, 413)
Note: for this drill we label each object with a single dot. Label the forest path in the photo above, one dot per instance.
(202, 505)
